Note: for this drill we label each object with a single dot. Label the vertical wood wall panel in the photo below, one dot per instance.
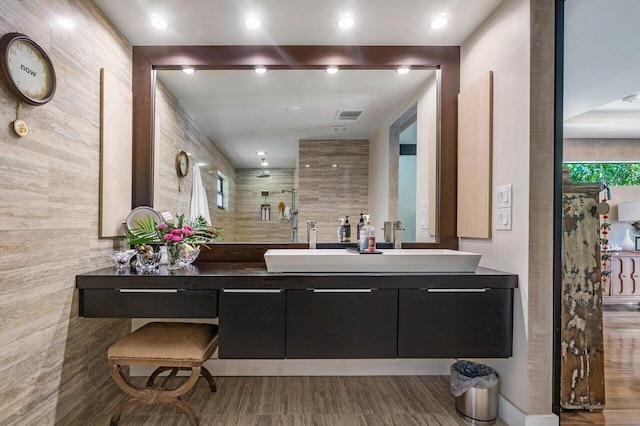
(116, 129)
(475, 128)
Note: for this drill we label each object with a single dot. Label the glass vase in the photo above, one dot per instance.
(173, 256)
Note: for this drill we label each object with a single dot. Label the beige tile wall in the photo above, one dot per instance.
(249, 226)
(53, 363)
(176, 131)
(328, 193)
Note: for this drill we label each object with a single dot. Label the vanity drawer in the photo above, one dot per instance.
(455, 323)
(148, 303)
(252, 324)
(342, 323)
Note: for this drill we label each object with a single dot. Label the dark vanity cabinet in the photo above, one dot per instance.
(460, 323)
(319, 316)
(342, 323)
(252, 323)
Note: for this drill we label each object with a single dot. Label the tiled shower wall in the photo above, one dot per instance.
(249, 223)
(328, 193)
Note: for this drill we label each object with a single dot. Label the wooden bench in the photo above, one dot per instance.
(170, 346)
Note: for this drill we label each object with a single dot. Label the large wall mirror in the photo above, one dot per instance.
(395, 161)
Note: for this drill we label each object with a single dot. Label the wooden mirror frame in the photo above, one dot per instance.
(148, 59)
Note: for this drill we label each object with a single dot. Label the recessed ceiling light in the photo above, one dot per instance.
(403, 70)
(253, 22)
(66, 23)
(260, 70)
(294, 108)
(306, 165)
(346, 21)
(332, 70)
(334, 165)
(188, 70)
(158, 22)
(261, 153)
(439, 22)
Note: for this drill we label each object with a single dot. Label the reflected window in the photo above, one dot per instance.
(221, 192)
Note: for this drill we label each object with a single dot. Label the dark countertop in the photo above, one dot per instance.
(254, 275)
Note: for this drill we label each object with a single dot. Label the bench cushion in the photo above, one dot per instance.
(166, 344)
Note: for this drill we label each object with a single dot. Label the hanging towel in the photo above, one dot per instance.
(287, 213)
(199, 204)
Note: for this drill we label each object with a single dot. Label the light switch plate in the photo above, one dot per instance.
(424, 207)
(503, 219)
(424, 221)
(504, 195)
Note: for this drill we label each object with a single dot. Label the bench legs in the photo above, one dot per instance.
(174, 370)
(149, 396)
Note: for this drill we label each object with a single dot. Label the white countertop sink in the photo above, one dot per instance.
(341, 260)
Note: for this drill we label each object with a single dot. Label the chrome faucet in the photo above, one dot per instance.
(397, 234)
(312, 233)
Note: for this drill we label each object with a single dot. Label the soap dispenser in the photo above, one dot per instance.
(360, 225)
(363, 242)
(341, 231)
(369, 244)
(347, 231)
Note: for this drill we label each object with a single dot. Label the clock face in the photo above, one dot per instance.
(28, 70)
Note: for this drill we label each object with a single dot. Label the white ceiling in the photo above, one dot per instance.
(377, 22)
(602, 66)
(244, 112)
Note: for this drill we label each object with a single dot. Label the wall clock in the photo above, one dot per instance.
(26, 69)
(182, 163)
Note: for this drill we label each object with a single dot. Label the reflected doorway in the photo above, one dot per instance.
(407, 177)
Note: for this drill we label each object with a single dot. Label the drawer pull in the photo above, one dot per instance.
(456, 290)
(342, 290)
(248, 290)
(148, 290)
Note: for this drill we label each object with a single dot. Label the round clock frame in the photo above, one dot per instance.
(42, 60)
(182, 164)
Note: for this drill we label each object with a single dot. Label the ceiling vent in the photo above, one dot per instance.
(348, 114)
(340, 129)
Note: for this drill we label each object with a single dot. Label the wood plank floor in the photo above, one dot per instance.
(302, 401)
(622, 370)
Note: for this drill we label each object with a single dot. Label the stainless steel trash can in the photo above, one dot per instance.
(480, 406)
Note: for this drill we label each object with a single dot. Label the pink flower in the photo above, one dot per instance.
(176, 238)
(162, 226)
(187, 230)
(167, 237)
(176, 231)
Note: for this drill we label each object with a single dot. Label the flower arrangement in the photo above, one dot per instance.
(180, 235)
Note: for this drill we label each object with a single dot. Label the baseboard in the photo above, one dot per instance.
(320, 367)
(514, 417)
